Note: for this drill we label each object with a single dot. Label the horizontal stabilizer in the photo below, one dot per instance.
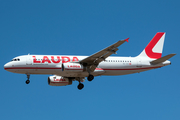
(163, 59)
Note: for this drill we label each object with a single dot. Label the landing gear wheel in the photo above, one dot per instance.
(80, 86)
(27, 81)
(90, 77)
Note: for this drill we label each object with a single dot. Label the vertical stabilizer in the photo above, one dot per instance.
(155, 47)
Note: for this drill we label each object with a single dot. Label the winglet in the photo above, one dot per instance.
(127, 39)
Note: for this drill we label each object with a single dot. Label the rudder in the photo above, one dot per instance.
(155, 47)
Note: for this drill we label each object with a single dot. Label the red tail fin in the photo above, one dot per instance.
(154, 49)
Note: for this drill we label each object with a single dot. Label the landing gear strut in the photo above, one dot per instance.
(81, 86)
(28, 81)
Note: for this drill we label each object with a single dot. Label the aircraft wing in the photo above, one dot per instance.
(92, 61)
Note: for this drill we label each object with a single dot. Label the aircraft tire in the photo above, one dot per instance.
(80, 86)
(90, 77)
(27, 81)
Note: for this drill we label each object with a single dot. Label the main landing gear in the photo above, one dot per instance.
(80, 86)
(89, 78)
(28, 81)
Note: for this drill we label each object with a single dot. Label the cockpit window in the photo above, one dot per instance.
(15, 59)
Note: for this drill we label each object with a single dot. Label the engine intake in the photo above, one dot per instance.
(59, 81)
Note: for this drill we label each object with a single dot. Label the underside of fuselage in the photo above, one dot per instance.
(106, 72)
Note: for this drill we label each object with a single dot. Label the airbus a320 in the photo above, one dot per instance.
(66, 69)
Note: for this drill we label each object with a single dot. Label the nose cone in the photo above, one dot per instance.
(6, 66)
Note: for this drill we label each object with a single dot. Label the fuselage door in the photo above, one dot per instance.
(28, 60)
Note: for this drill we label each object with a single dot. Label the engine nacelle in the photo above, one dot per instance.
(59, 81)
(72, 67)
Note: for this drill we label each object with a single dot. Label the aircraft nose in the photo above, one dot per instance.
(6, 66)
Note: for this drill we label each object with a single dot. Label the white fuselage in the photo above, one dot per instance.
(52, 64)
(66, 69)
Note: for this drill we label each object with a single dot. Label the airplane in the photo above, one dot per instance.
(68, 68)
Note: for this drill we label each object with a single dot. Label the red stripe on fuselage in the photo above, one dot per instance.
(81, 69)
(135, 68)
(29, 68)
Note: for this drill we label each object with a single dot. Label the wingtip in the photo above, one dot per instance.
(127, 39)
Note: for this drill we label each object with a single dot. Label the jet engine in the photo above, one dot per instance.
(74, 67)
(59, 81)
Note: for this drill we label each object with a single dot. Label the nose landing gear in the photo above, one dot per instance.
(28, 81)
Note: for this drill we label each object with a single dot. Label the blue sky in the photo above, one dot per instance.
(78, 27)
